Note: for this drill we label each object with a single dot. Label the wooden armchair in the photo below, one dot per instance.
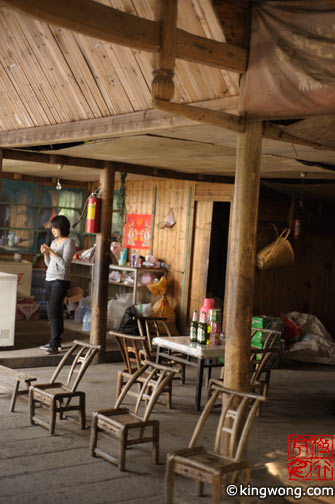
(118, 423)
(134, 351)
(225, 463)
(56, 396)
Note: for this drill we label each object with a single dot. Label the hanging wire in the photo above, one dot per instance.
(301, 201)
(121, 202)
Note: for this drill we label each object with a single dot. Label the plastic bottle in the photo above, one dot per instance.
(79, 313)
(207, 305)
(123, 258)
(194, 327)
(87, 321)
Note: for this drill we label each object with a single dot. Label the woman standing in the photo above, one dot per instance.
(58, 258)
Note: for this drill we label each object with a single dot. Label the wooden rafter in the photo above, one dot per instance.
(39, 157)
(108, 127)
(106, 23)
(199, 114)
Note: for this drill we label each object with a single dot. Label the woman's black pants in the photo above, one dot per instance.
(56, 291)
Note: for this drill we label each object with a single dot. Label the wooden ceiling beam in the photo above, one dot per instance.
(199, 114)
(118, 27)
(134, 123)
(39, 157)
(275, 133)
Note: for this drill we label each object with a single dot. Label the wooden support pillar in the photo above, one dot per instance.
(1, 158)
(102, 258)
(241, 257)
(162, 84)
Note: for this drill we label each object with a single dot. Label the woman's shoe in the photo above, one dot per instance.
(52, 350)
(47, 346)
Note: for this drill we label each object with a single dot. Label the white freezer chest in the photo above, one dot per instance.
(8, 293)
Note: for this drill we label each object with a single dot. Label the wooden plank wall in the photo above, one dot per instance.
(200, 258)
(175, 245)
(169, 244)
(309, 285)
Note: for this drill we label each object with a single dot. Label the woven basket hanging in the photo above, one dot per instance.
(277, 254)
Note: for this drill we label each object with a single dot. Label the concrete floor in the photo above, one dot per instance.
(36, 468)
(30, 335)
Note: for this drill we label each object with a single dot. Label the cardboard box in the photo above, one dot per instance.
(23, 270)
(267, 322)
(27, 309)
(74, 295)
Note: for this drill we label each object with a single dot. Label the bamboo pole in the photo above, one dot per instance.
(101, 267)
(241, 258)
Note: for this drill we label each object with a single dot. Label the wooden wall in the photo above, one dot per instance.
(309, 285)
(175, 245)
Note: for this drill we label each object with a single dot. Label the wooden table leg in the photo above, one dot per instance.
(199, 384)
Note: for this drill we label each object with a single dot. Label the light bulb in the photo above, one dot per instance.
(58, 185)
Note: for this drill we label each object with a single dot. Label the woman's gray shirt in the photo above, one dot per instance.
(59, 264)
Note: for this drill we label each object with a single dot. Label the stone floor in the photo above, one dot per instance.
(38, 468)
(30, 335)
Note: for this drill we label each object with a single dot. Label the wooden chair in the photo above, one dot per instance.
(134, 350)
(219, 466)
(58, 396)
(118, 423)
(151, 327)
(260, 373)
(259, 360)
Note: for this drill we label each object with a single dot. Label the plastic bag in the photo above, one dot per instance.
(144, 309)
(169, 220)
(88, 255)
(128, 324)
(162, 307)
(116, 308)
(316, 345)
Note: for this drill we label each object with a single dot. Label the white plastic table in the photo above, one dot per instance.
(167, 347)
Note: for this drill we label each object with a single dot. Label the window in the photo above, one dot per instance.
(26, 209)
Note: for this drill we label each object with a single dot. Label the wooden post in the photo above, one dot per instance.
(101, 267)
(1, 158)
(162, 84)
(241, 258)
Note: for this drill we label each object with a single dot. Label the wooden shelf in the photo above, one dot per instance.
(136, 271)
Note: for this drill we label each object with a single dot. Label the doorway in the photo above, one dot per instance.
(218, 251)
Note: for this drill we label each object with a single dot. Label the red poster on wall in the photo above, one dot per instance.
(137, 231)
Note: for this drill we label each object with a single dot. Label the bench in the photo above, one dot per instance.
(18, 376)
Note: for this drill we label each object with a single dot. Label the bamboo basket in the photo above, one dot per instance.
(277, 254)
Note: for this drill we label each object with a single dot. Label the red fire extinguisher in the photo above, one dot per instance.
(93, 214)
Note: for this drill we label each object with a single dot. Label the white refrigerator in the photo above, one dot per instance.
(8, 292)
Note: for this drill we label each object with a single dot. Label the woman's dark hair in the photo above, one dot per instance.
(62, 223)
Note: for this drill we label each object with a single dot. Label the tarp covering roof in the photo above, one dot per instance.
(291, 70)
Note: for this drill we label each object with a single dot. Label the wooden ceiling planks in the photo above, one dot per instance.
(54, 76)
(82, 73)
(212, 28)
